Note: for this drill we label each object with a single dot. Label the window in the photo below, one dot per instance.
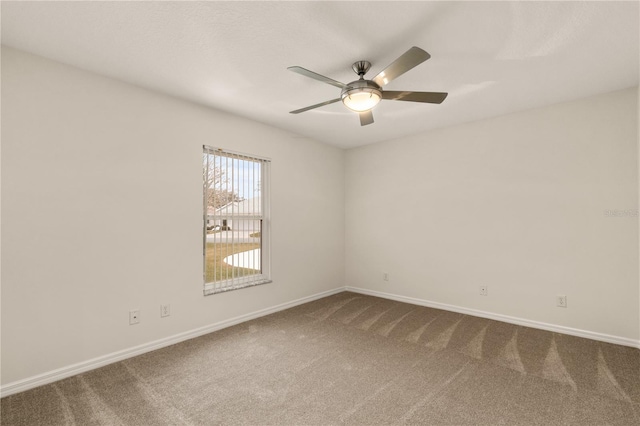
(236, 220)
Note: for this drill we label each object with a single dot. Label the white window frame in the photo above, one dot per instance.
(264, 276)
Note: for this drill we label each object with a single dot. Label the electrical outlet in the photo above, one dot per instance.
(484, 290)
(165, 310)
(561, 301)
(134, 317)
(385, 276)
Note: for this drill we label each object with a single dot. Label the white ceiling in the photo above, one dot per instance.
(492, 57)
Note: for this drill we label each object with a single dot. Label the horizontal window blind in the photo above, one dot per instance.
(236, 220)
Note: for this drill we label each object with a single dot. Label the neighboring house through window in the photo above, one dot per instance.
(236, 220)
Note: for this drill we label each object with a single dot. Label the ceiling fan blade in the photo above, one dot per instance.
(298, 111)
(427, 97)
(409, 59)
(366, 117)
(316, 76)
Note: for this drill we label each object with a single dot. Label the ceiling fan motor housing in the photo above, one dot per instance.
(361, 95)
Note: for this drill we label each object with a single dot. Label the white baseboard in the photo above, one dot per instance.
(504, 318)
(82, 367)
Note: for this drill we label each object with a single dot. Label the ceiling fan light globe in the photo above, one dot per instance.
(360, 100)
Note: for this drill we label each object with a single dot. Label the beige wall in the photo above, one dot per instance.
(102, 213)
(516, 203)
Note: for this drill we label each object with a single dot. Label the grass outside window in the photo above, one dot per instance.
(217, 270)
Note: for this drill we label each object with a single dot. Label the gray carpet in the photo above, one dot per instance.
(353, 359)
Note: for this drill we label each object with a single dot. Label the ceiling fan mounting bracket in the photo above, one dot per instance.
(361, 67)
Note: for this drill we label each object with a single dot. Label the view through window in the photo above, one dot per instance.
(236, 222)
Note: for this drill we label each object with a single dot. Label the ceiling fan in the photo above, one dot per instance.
(362, 95)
